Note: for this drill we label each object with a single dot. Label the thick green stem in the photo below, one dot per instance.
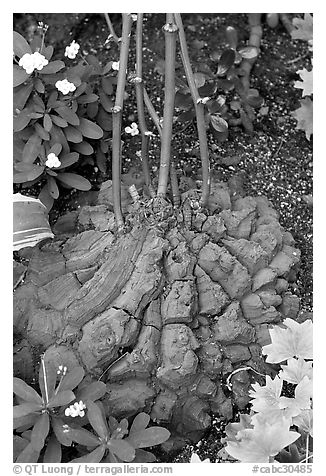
(117, 116)
(199, 108)
(145, 134)
(170, 31)
(111, 29)
(174, 185)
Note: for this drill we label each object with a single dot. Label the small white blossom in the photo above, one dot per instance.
(133, 130)
(72, 50)
(116, 65)
(77, 409)
(32, 61)
(134, 16)
(64, 86)
(138, 153)
(53, 162)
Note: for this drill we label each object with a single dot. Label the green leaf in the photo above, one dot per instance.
(101, 161)
(90, 129)
(25, 392)
(31, 149)
(87, 98)
(92, 392)
(29, 175)
(75, 181)
(28, 455)
(21, 94)
(52, 99)
(84, 437)
(55, 149)
(249, 52)
(186, 116)
(106, 101)
(47, 122)
(48, 52)
(52, 67)
(68, 160)
(97, 420)
(94, 457)
(61, 431)
(122, 449)
(20, 45)
(19, 75)
(53, 187)
(26, 408)
(19, 444)
(83, 148)
(149, 437)
(199, 79)
(41, 132)
(218, 123)
(107, 85)
(92, 109)
(73, 134)
(104, 120)
(67, 114)
(57, 136)
(72, 378)
(143, 456)
(40, 432)
(61, 399)
(25, 421)
(225, 62)
(46, 198)
(53, 452)
(58, 121)
(140, 423)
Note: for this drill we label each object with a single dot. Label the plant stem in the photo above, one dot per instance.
(116, 119)
(145, 135)
(256, 33)
(170, 31)
(174, 185)
(199, 108)
(111, 29)
(152, 112)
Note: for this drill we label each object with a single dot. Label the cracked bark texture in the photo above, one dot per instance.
(164, 313)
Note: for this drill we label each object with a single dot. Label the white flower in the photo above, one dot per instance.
(134, 16)
(116, 65)
(72, 50)
(133, 130)
(53, 162)
(195, 459)
(77, 409)
(32, 61)
(64, 86)
(138, 153)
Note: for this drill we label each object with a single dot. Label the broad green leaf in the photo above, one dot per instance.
(75, 181)
(28, 455)
(19, 75)
(106, 101)
(249, 52)
(107, 85)
(47, 122)
(84, 437)
(183, 101)
(21, 94)
(40, 432)
(122, 449)
(58, 121)
(219, 124)
(48, 52)
(199, 79)
(52, 99)
(61, 431)
(55, 149)
(25, 392)
(89, 129)
(45, 198)
(31, 149)
(73, 134)
(68, 159)
(187, 116)
(52, 67)
(20, 45)
(81, 88)
(26, 408)
(47, 376)
(26, 421)
(92, 392)
(207, 90)
(104, 120)
(67, 114)
(53, 187)
(83, 148)
(41, 132)
(57, 136)
(92, 109)
(53, 452)
(140, 423)
(87, 98)
(61, 399)
(101, 161)
(149, 437)
(143, 456)
(225, 62)
(296, 370)
(38, 104)
(72, 378)
(19, 444)
(96, 419)
(94, 457)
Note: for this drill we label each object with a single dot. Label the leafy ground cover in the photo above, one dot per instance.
(275, 160)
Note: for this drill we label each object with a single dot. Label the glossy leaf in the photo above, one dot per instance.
(104, 120)
(28, 455)
(19, 444)
(68, 159)
(249, 52)
(92, 392)
(48, 52)
(106, 101)
(87, 98)
(84, 437)
(21, 94)
(31, 149)
(73, 134)
(199, 79)
(187, 116)
(25, 409)
(143, 456)
(80, 89)
(19, 75)
(45, 197)
(52, 99)
(58, 121)
(218, 123)
(101, 160)
(90, 129)
(94, 457)
(47, 122)
(47, 376)
(27, 176)
(208, 89)
(24, 422)
(75, 181)
(97, 420)
(149, 437)
(67, 114)
(41, 132)
(40, 432)
(52, 67)
(183, 101)
(107, 85)
(57, 136)
(225, 62)
(72, 378)
(83, 148)
(61, 399)
(92, 109)
(53, 188)
(61, 431)
(122, 449)
(140, 423)
(55, 149)
(20, 45)
(53, 451)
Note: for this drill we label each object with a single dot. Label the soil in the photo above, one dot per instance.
(275, 161)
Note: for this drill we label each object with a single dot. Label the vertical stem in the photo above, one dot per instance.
(111, 29)
(152, 112)
(116, 119)
(145, 135)
(174, 185)
(199, 108)
(170, 31)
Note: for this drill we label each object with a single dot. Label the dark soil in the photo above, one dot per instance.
(276, 160)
